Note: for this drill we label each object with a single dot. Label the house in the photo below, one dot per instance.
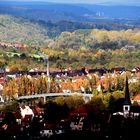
(136, 98)
(26, 111)
(118, 70)
(1, 99)
(135, 70)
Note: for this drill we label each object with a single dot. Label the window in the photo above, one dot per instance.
(126, 108)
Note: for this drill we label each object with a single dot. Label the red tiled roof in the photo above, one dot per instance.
(17, 115)
(37, 110)
(100, 82)
(80, 110)
(137, 97)
(54, 70)
(1, 80)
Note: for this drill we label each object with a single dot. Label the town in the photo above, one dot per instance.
(69, 69)
(87, 102)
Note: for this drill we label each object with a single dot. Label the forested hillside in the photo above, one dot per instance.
(16, 29)
(95, 38)
(97, 48)
(76, 49)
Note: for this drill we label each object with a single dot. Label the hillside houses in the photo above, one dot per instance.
(64, 81)
(135, 70)
(14, 45)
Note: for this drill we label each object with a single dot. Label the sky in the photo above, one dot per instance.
(88, 1)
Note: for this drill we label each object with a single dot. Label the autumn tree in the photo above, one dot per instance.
(134, 88)
(54, 86)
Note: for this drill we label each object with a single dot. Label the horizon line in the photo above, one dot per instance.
(96, 3)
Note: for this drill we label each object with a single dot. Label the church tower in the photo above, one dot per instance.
(127, 101)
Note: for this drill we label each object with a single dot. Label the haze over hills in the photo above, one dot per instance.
(75, 12)
(109, 2)
(59, 17)
(30, 21)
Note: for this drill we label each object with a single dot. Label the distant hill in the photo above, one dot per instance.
(45, 11)
(56, 28)
(57, 18)
(36, 22)
(71, 12)
(13, 29)
(115, 11)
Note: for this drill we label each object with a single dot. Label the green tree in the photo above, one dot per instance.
(97, 105)
(74, 101)
(134, 88)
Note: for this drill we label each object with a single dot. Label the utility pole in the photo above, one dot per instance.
(48, 74)
(46, 58)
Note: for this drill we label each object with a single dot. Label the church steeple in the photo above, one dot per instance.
(127, 100)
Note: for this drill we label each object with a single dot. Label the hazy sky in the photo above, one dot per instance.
(88, 1)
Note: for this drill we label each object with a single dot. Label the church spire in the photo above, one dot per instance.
(127, 100)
